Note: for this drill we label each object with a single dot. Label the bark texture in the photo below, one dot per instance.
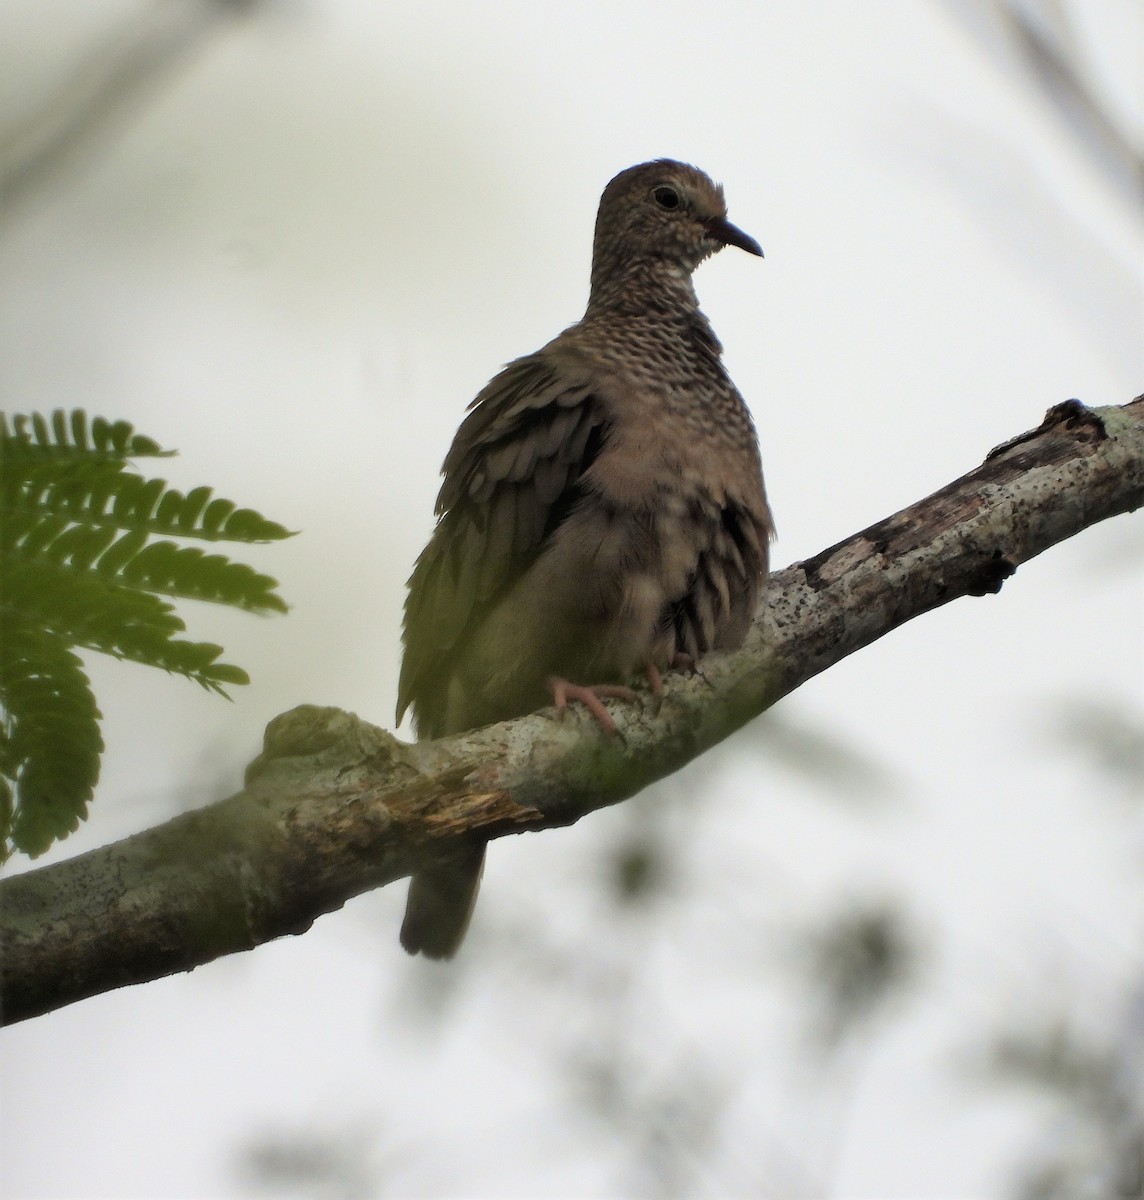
(334, 806)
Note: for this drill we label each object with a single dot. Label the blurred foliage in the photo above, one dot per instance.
(1107, 737)
(855, 962)
(1094, 1146)
(85, 554)
(639, 870)
(846, 772)
(668, 1114)
(330, 1164)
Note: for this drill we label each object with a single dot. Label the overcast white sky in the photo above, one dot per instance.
(295, 260)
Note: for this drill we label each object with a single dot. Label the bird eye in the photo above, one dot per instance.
(666, 197)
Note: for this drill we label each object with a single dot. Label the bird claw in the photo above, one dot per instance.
(655, 683)
(591, 697)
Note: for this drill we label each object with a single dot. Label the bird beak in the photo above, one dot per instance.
(731, 235)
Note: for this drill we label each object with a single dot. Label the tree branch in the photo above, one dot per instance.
(334, 807)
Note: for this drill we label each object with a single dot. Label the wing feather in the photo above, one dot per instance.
(721, 595)
(511, 475)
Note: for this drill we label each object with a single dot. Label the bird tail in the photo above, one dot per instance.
(440, 904)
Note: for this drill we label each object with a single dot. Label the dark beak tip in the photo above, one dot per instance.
(731, 235)
(746, 242)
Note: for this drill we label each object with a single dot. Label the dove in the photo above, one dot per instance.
(602, 514)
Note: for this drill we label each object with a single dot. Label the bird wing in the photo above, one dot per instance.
(511, 476)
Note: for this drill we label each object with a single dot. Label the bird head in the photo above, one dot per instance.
(666, 212)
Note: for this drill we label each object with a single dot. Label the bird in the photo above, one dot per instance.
(602, 513)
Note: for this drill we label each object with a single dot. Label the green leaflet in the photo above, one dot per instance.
(88, 551)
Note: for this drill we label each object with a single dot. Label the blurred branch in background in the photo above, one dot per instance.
(1040, 38)
(103, 90)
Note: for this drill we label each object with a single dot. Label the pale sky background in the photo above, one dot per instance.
(295, 259)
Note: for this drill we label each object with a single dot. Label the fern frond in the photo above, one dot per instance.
(50, 743)
(198, 514)
(187, 572)
(165, 568)
(82, 608)
(80, 569)
(70, 435)
(101, 491)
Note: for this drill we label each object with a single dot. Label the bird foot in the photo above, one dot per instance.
(655, 684)
(654, 679)
(591, 697)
